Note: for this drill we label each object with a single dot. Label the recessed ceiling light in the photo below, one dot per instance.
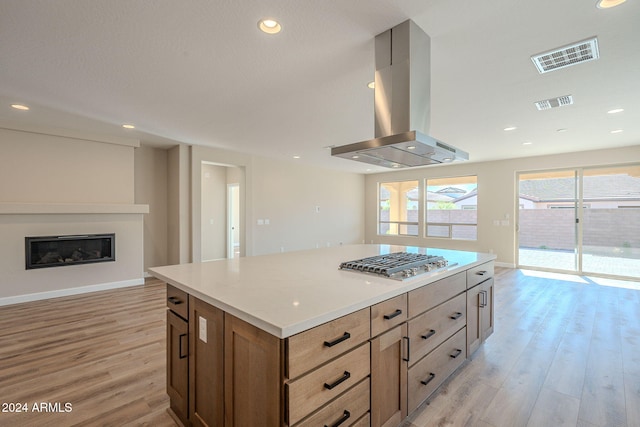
(371, 85)
(296, 157)
(617, 131)
(355, 157)
(20, 107)
(128, 126)
(507, 129)
(606, 4)
(411, 147)
(615, 111)
(527, 143)
(269, 26)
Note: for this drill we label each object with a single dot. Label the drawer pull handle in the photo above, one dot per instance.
(396, 313)
(481, 272)
(182, 356)
(345, 416)
(429, 334)
(339, 381)
(345, 337)
(174, 300)
(455, 354)
(428, 380)
(456, 316)
(408, 340)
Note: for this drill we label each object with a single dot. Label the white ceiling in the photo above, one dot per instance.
(200, 72)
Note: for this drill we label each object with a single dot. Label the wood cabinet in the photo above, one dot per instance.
(252, 375)
(372, 367)
(178, 366)
(178, 354)
(206, 374)
(389, 377)
(480, 315)
(431, 371)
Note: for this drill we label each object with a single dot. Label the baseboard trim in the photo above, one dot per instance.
(505, 265)
(69, 291)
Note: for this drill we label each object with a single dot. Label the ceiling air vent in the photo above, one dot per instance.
(560, 101)
(566, 56)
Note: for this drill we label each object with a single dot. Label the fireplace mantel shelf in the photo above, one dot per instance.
(70, 208)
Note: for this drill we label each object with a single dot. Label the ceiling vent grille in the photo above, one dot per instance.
(560, 101)
(566, 56)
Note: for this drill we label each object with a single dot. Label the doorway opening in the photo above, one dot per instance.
(221, 211)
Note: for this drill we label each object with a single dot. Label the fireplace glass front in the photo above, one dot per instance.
(56, 251)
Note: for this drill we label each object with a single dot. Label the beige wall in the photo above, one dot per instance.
(36, 167)
(497, 196)
(213, 224)
(151, 180)
(288, 194)
(285, 193)
(59, 183)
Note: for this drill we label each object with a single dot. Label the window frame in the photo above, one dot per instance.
(451, 225)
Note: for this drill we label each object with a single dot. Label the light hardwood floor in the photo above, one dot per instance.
(564, 352)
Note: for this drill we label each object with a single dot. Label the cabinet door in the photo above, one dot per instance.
(487, 309)
(253, 375)
(206, 398)
(474, 329)
(178, 365)
(389, 377)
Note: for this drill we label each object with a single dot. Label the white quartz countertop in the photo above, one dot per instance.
(288, 293)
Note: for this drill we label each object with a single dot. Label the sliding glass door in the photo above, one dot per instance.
(611, 221)
(547, 220)
(583, 220)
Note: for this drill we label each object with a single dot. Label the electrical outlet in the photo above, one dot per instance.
(202, 329)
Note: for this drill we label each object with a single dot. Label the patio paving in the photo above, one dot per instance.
(565, 260)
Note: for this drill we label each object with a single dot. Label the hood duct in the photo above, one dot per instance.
(402, 105)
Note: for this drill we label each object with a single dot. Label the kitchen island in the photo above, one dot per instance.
(289, 339)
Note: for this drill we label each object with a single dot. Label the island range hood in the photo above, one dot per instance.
(402, 105)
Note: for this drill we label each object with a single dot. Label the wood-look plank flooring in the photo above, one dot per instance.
(564, 353)
(104, 353)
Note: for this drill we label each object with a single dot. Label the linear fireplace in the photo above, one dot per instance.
(56, 251)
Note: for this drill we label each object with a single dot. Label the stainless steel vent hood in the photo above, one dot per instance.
(402, 105)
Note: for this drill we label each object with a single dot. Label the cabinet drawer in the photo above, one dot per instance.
(426, 375)
(364, 421)
(345, 410)
(311, 391)
(433, 294)
(387, 314)
(178, 301)
(430, 329)
(312, 348)
(479, 274)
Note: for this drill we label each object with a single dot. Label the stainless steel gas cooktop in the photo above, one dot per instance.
(397, 265)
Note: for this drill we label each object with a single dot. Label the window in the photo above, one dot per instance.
(452, 208)
(398, 208)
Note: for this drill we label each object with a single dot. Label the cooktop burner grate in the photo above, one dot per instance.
(396, 265)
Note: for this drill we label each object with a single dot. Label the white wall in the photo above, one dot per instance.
(497, 196)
